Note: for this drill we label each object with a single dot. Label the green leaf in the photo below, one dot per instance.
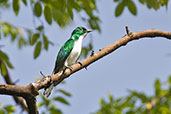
(132, 8)
(157, 84)
(10, 109)
(70, 12)
(1, 111)
(169, 80)
(38, 9)
(13, 35)
(90, 46)
(141, 96)
(32, 1)
(54, 110)
(21, 42)
(157, 87)
(25, 2)
(60, 17)
(40, 104)
(164, 110)
(116, 0)
(110, 97)
(102, 102)
(45, 101)
(37, 49)
(3, 68)
(29, 32)
(119, 9)
(16, 6)
(62, 100)
(0, 34)
(64, 92)
(40, 28)
(3, 55)
(48, 14)
(35, 37)
(164, 2)
(45, 42)
(9, 64)
(142, 1)
(84, 52)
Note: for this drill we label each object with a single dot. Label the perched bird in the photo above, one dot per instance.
(69, 53)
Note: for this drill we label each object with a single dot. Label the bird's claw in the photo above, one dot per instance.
(42, 73)
(86, 68)
(82, 65)
(70, 68)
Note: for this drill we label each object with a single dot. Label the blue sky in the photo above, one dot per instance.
(134, 66)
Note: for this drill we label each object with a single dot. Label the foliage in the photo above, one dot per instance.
(140, 103)
(8, 109)
(122, 4)
(155, 4)
(49, 105)
(4, 63)
(61, 12)
(58, 11)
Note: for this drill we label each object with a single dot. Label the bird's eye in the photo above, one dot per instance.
(81, 29)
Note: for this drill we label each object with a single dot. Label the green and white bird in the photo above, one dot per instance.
(69, 53)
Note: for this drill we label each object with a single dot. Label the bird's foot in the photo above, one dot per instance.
(42, 73)
(69, 67)
(46, 77)
(81, 65)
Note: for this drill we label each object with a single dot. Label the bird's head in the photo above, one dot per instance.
(80, 31)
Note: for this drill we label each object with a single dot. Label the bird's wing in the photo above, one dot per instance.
(63, 54)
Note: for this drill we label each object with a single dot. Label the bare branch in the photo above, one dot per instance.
(13, 90)
(27, 92)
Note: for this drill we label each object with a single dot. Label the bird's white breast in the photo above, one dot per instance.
(75, 53)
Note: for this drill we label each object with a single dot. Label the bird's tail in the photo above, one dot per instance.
(48, 90)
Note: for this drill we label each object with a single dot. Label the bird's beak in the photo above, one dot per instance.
(89, 30)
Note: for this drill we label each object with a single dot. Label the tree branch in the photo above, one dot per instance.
(18, 100)
(30, 91)
(27, 92)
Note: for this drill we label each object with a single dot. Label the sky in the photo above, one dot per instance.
(132, 67)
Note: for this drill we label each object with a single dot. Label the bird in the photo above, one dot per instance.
(69, 53)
